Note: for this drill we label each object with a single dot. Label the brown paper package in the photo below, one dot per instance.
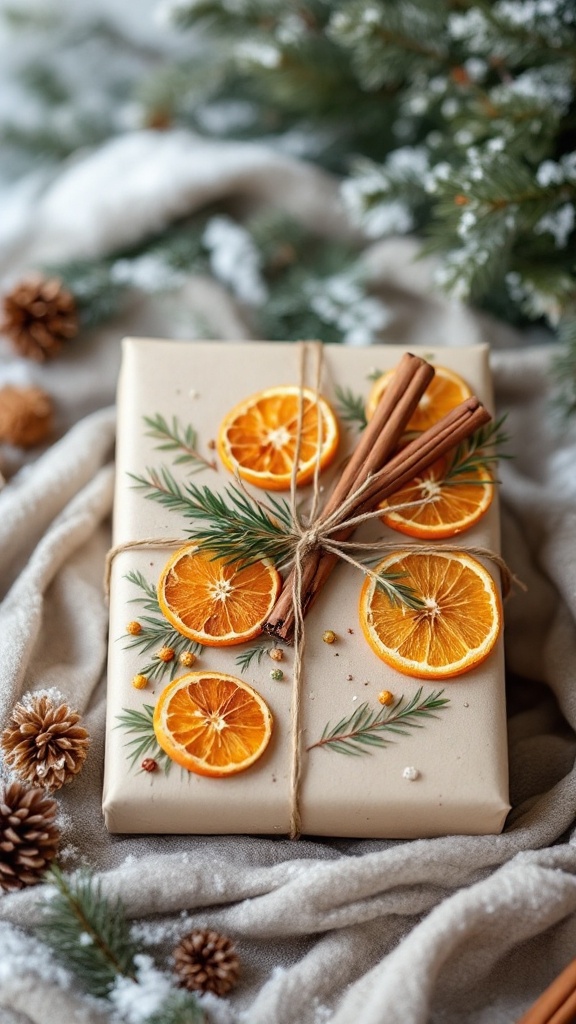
(460, 756)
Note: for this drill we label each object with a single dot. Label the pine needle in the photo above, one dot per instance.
(144, 742)
(178, 438)
(351, 407)
(245, 658)
(233, 525)
(156, 633)
(363, 729)
(477, 451)
(88, 933)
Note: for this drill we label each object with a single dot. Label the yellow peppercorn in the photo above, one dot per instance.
(134, 628)
(187, 659)
(166, 654)
(386, 698)
(276, 654)
(139, 682)
(329, 636)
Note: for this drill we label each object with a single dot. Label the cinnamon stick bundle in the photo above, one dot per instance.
(370, 463)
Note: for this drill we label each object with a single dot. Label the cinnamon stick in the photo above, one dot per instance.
(417, 456)
(379, 439)
(557, 1005)
(382, 434)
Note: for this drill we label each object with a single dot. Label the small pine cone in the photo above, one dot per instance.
(26, 416)
(39, 314)
(28, 836)
(44, 744)
(206, 961)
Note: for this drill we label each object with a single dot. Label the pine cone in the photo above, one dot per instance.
(39, 314)
(206, 961)
(43, 743)
(28, 836)
(25, 416)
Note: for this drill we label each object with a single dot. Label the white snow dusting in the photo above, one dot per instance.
(137, 1001)
(341, 301)
(235, 260)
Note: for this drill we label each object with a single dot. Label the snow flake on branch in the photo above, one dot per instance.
(235, 260)
(341, 301)
(136, 1001)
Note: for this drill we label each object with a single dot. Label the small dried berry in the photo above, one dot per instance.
(277, 673)
(134, 628)
(386, 698)
(149, 765)
(277, 654)
(166, 654)
(187, 659)
(139, 682)
(329, 636)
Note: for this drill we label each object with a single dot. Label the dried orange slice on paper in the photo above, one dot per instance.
(212, 723)
(257, 438)
(215, 603)
(445, 506)
(455, 629)
(445, 391)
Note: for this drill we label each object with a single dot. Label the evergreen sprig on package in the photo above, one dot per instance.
(366, 728)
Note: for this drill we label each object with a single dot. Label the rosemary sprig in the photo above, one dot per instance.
(399, 593)
(143, 742)
(178, 438)
(245, 658)
(156, 633)
(233, 525)
(374, 374)
(364, 728)
(480, 449)
(351, 407)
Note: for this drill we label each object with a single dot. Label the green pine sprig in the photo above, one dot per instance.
(156, 633)
(351, 407)
(143, 742)
(233, 525)
(175, 437)
(363, 729)
(481, 449)
(399, 593)
(256, 653)
(88, 932)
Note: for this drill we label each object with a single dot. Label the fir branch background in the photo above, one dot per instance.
(452, 120)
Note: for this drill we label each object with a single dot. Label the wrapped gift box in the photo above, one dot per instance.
(460, 756)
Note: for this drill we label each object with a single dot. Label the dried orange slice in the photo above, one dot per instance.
(214, 603)
(446, 506)
(212, 723)
(257, 438)
(445, 391)
(457, 626)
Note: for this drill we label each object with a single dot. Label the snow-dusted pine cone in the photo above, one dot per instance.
(43, 743)
(28, 836)
(39, 314)
(206, 961)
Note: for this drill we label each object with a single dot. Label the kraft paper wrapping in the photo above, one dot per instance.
(461, 755)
